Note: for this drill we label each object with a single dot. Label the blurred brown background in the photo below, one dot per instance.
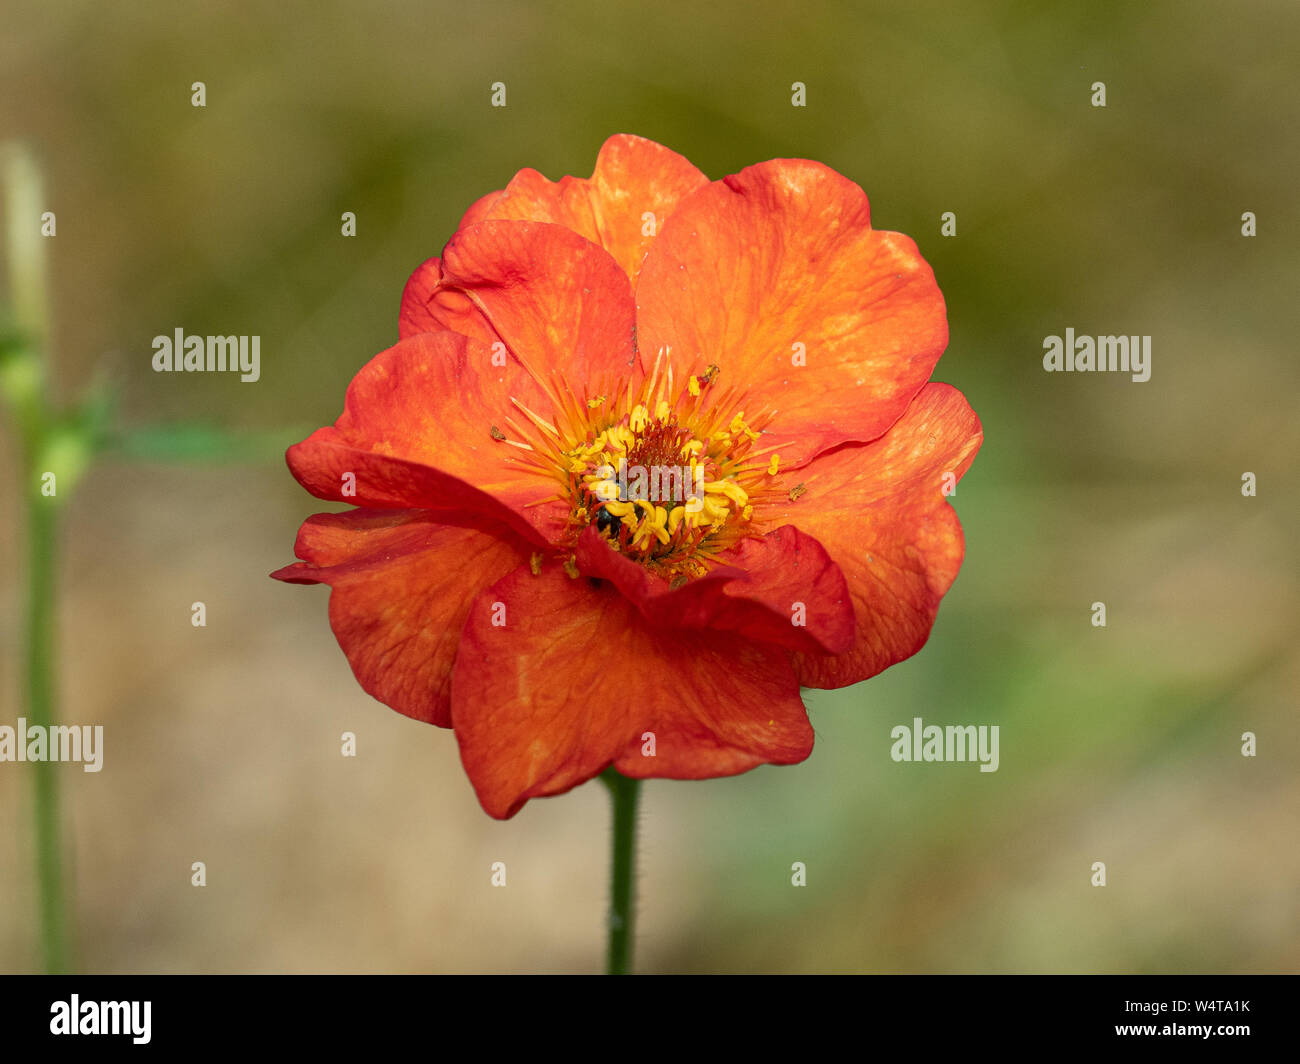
(1119, 745)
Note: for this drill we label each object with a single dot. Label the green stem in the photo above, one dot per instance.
(624, 793)
(41, 524)
(24, 386)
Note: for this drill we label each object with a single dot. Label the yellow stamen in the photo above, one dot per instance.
(730, 489)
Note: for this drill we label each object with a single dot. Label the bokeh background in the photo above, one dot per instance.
(1119, 745)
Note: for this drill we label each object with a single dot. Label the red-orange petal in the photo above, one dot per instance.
(559, 303)
(571, 679)
(634, 187)
(401, 584)
(416, 432)
(779, 265)
(430, 306)
(781, 588)
(880, 511)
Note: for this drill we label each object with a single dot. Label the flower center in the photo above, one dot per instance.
(669, 476)
(669, 479)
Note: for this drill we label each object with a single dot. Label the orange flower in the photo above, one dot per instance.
(652, 453)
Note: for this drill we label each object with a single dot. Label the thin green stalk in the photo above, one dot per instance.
(624, 793)
(41, 522)
(44, 449)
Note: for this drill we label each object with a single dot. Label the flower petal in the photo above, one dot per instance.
(417, 432)
(429, 306)
(781, 588)
(633, 177)
(880, 510)
(402, 584)
(779, 265)
(571, 679)
(561, 305)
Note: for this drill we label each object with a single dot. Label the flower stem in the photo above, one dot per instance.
(40, 709)
(23, 379)
(624, 793)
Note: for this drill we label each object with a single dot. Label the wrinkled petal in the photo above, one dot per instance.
(782, 588)
(402, 584)
(633, 178)
(571, 679)
(429, 306)
(558, 302)
(779, 263)
(416, 432)
(880, 511)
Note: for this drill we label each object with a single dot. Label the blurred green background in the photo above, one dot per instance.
(1119, 745)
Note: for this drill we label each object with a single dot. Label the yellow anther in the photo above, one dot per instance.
(643, 534)
(593, 403)
(692, 447)
(747, 512)
(571, 567)
(738, 426)
(656, 521)
(535, 564)
(662, 410)
(773, 465)
(675, 516)
(730, 489)
(577, 465)
(640, 418)
(693, 385)
(620, 509)
(647, 506)
(714, 510)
